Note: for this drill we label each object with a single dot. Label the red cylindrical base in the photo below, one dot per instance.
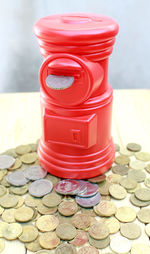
(63, 165)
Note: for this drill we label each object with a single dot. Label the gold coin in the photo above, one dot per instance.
(104, 188)
(3, 225)
(23, 149)
(10, 152)
(66, 231)
(105, 197)
(114, 178)
(1, 210)
(44, 252)
(144, 215)
(49, 240)
(33, 246)
(137, 164)
(80, 239)
(143, 194)
(137, 175)
(68, 208)
(3, 190)
(18, 190)
(44, 210)
(117, 147)
(81, 221)
(120, 170)
(105, 208)
(134, 189)
(34, 147)
(128, 183)
(122, 160)
(147, 182)
(8, 201)
(12, 231)
(53, 179)
(147, 229)
(4, 182)
(130, 230)
(117, 191)
(47, 223)
(88, 250)
(125, 152)
(51, 200)
(29, 234)
(133, 147)
(140, 248)
(99, 244)
(136, 202)
(20, 202)
(120, 245)
(16, 165)
(2, 245)
(8, 215)
(28, 158)
(32, 201)
(112, 223)
(148, 168)
(99, 231)
(24, 214)
(143, 156)
(125, 214)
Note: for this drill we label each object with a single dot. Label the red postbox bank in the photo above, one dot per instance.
(76, 99)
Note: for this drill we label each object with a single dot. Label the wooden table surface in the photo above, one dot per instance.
(20, 123)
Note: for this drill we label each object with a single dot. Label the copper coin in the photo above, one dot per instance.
(99, 244)
(65, 249)
(89, 201)
(81, 221)
(68, 208)
(66, 231)
(99, 231)
(49, 240)
(105, 208)
(88, 250)
(97, 179)
(104, 188)
(67, 187)
(80, 239)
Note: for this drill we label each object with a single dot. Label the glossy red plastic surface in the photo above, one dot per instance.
(76, 121)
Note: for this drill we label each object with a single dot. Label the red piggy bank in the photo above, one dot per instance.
(76, 99)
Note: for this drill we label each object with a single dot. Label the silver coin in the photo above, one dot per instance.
(40, 188)
(82, 187)
(90, 191)
(35, 172)
(17, 178)
(6, 161)
(67, 187)
(59, 82)
(88, 202)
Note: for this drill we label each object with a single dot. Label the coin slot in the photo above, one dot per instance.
(59, 82)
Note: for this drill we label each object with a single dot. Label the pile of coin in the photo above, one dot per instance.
(86, 193)
(103, 214)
